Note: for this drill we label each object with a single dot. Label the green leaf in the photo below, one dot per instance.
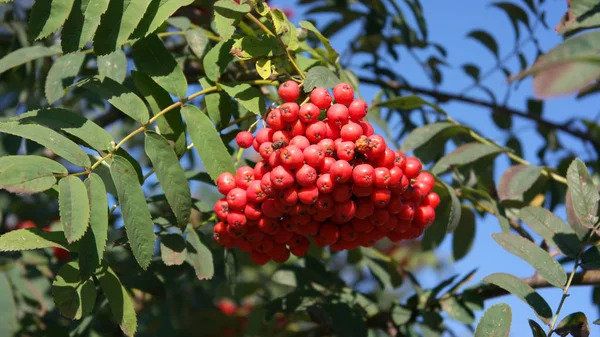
(385, 273)
(448, 215)
(495, 322)
(86, 131)
(8, 320)
(591, 258)
(113, 65)
(31, 238)
(74, 297)
(74, 207)
(207, 142)
(199, 256)
(217, 59)
(332, 55)
(48, 16)
(230, 262)
(218, 104)
(535, 256)
(524, 292)
(584, 193)
(582, 14)
(457, 310)
(320, 77)
(27, 54)
(422, 135)
(515, 14)
(157, 13)
(250, 47)
(485, 39)
(552, 229)
(465, 154)
(464, 235)
(263, 68)
(170, 175)
(517, 180)
(28, 174)
(409, 102)
(94, 239)
(61, 75)
(575, 324)
(48, 138)
(401, 315)
(82, 23)
(197, 40)
(536, 329)
(119, 96)
(170, 125)
(248, 96)
(226, 14)
(136, 216)
(121, 303)
(117, 24)
(151, 57)
(172, 249)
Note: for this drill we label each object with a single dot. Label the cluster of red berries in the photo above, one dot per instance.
(332, 180)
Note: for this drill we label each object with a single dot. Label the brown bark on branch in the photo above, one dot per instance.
(448, 96)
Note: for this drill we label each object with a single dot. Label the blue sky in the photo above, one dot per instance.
(449, 22)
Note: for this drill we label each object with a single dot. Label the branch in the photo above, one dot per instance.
(447, 96)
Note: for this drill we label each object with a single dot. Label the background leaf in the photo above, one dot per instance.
(207, 142)
(517, 180)
(31, 238)
(26, 54)
(199, 257)
(8, 319)
(151, 57)
(464, 234)
(158, 12)
(495, 322)
(119, 96)
(247, 95)
(138, 222)
(73, 296)
(538, 258)
(464, 154)
(94, 239)
(197, 40)
(170, 175)
(556, 233)
(61, 75)
(74, 207)
(121, 303)
(584, 193)
(173, 249)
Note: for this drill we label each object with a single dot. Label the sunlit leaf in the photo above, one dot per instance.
(517, 180)
(82, 23)
(61, 74)
(555, 231)
(74, 297)
(48, 16)
(584, 193)
(495, 322)
(117, 24)
(74, 207)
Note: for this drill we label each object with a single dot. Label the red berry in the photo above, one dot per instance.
(342, 192)
(314, 155)
(382, 177)
(243, 176)
(412, 167)
(227, 306)
(289, 91)
(252, 211)
(254, 235)
(341, 171)
(345, 151)
(299, 245)
(395, 205)
(221, 209)
(358, 109)
(321, 98)
(260, 169)
(292, 157)
(381, 197)
(275, 159)
(308, 195)
(343, 93)
(399, 160)
(297, 128)
(345, 210)
(349, 233)
(259, 258)
(333, 130)
(364, 208)
(236, 219)
(289, 112)
(270, 210)
(266, 186)
(325, 183)
(407, 211)
(289, 196)
(316, 131)
(282, 178)
(265, 150)
(377, 146)
(263, 246)
(367, 128)
(225, 182)
(244, 139)
(379, 217)
(283, 236)
(326, 164)
(363, 175)
(387, 160)
(301, 142)
(337, 115)
(432, 199)
(279, 253)
(306, 175)
(362, 191)
(351, 132)
(264, 135)
(282, 137)
(311, 228)
(425, 215)
(275, 120)
(268, 225)
(328, 146)
(309, 113)
(236, 199)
